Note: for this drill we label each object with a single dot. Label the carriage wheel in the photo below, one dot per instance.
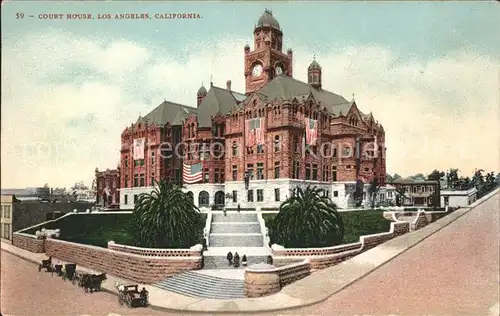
(120, 300)
(129, 302)
(73, 281)
(39, 267)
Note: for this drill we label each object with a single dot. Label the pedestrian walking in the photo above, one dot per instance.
(244, 260)
(225, 212)
(229, 258)
(236, 262)
(239, 208)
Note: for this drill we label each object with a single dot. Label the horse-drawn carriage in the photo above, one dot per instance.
(90, 282)
(69, 272)
(46, 264)
(131, 296)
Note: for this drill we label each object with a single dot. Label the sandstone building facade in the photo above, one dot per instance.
(263, 133)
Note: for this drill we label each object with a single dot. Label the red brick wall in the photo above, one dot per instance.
(31, 244)
(137, 268)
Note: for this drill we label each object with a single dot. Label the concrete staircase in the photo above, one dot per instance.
(235, 232)
(198, 285)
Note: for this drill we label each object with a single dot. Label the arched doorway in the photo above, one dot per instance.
(203, 199)
(220, 199)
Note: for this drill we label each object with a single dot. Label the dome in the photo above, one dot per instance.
(202, 90)
(267, 19)
(314, 65)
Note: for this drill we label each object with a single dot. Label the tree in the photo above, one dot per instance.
(452, 178)
(418, 176)
(373, 190)
(389, 178)
(396, 177)
(436, 175)
(400, 193)
(307, 219)
(166, 218)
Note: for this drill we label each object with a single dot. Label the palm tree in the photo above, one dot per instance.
(166, 218)
(307, 219)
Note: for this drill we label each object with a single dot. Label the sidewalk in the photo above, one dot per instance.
(316, 288)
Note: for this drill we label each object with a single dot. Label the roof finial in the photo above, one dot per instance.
(314, 57)
(353, 97)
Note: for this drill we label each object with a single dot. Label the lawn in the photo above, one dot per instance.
(356, 224)
(98, 229)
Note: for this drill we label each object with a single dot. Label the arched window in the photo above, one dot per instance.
(235, 149)
(203, 199)
(277, 143)
(219, 198)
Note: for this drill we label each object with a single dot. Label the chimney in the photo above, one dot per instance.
(228, 85)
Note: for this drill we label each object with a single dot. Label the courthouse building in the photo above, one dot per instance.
(280, 132)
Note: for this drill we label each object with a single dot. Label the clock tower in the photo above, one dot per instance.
(267, 59)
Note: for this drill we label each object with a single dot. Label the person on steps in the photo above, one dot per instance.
(229, 258)
(244, 260)
(239, 208)
(236, 262)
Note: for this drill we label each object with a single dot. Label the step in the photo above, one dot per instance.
(252, 251)
(236, 240)
(235, 227)
(204, 286)
(234, 217)
(220, 262)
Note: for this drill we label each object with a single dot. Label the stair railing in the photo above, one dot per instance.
(263, 230)
(208, 227)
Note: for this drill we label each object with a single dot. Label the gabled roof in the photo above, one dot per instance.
(167, 112)
(285, 87)
(217, 100)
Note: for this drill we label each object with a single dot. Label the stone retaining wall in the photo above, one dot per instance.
(321, 258)
(155, 252)
(134, 267)
(28, 242)
(265, 281)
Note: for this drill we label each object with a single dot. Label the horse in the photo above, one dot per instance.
(93, 282)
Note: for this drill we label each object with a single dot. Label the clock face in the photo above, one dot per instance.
(279, 70)
(257, 70)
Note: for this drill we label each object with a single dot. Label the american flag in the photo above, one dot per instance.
(192, 173)
(311, 131)
(139, 148)
(254, 129)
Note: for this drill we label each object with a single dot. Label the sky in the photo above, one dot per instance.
(428, 71)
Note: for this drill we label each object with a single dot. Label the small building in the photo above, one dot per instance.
(458, 198)
(107, 187)
(25, 211)
(419, 192)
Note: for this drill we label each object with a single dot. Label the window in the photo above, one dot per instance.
(335, 193)
(446, 200)
(125, 199)
(6, 230)
(277, 194)
(348, 167)
(346, 151)
(431, 188)
(206, 175)
(203, 199)
(389, 194)
(277, 170)
(142, 180)
(260, 171)
(126, 162)
(250, 196)
(334, 154)
(7, 211)
(152, 158)
(235, 149)
(216, 175)
(235, 196)
(367, 169)
(277, 143)
(326, 193)
(295, 170)
(334, 173)
(308, 171)
(296, 143)
(136, 198)
(260, 149)
(152, 178)
(260, 195)
(125, 182)
(136, 180)
(235, 172)
(250, 171)
(250, 150)
(326, 173)
(315, 172)
(178, 175)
